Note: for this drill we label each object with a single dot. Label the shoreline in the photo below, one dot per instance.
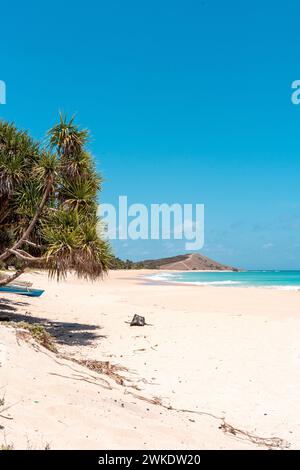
(217, 284)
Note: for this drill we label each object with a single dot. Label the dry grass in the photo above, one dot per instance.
(6, 447)
(269, 442)
(102, 367)
(37, 332)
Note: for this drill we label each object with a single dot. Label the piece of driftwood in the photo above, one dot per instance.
(138, 321)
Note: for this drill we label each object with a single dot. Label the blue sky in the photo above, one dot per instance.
(187, 101)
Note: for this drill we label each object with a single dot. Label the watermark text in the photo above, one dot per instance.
(153, 222)
(2, 92)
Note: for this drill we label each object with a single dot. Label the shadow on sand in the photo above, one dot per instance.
(71, 334)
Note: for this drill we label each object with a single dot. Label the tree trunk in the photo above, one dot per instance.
(7, 280)
(32, 224)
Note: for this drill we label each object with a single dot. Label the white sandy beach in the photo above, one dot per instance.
(228, 352)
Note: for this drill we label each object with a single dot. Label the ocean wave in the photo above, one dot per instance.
(181, 278)
(161, 277)
(177, 280)
(210, 283)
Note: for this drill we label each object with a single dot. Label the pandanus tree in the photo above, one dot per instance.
(48, 203)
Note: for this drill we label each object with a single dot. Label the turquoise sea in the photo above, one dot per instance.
(288, 280)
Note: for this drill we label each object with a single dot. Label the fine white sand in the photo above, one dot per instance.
(228, 352)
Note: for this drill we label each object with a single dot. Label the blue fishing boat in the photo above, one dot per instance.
(21, 291)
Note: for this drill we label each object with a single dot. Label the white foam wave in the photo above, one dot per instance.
(212, 283)
(161, 277)
(176, 279)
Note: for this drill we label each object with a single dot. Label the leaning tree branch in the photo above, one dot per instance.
(7, 253)
(7, 280)
(20, 254)
(24, 257)
(35, 245)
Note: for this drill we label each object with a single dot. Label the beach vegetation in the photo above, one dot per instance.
(117, 263)
(48, 203)
(6, 447)
(34, 331)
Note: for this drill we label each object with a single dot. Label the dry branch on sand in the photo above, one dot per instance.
(101, 367)
(4, 408)
(113, 372)
(269, 442)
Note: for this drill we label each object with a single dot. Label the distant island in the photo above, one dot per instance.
(187, 262)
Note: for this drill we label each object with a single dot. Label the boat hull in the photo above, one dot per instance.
(21, 291)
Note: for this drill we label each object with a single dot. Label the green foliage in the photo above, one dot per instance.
(62, 183)
(117, 263)
(38, 333)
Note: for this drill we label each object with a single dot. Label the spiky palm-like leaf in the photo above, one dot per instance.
(48, 202)
(73, 243)
(67, 137)
(79, 194)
